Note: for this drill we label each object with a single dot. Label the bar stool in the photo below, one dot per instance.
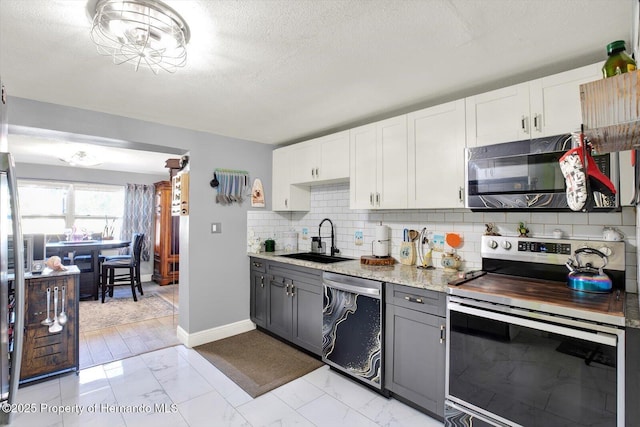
(130, 262)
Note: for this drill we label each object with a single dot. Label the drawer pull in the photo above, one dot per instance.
(412, 299)
(442, 333)
(257, 264)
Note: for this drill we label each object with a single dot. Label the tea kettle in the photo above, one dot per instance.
(588, 278)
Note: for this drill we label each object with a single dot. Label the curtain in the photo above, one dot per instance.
(138, 215)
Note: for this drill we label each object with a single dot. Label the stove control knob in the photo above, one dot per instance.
(606, 251)
(506, 245)
(492, 244)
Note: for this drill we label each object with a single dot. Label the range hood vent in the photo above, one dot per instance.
(611, 112)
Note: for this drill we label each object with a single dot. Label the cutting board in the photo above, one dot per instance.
(372, 260)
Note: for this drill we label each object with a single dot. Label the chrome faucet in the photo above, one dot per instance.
(333, 250)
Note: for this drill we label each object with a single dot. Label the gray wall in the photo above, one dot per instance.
(214, 270)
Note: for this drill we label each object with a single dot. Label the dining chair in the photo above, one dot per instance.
(131, 263)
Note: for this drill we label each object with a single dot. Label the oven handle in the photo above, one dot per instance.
(600, 337)
(351, 288)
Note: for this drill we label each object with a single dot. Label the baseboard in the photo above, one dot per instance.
(145, 277)
(214, 334)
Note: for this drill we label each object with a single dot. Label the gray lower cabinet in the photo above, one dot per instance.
(414, 346)
(292, 298)
(258, 293)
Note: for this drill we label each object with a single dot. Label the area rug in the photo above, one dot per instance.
(122, 310)
(257, 362)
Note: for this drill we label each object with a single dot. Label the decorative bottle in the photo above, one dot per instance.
(619, 61)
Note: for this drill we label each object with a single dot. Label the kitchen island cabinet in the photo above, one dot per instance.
(414, 346)
(294, 305)
(47, 353)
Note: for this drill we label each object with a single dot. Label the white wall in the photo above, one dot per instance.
(214, 269)
(332, 201)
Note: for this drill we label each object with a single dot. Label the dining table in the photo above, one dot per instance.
(89, 281)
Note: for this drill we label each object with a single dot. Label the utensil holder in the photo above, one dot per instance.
(408, 253)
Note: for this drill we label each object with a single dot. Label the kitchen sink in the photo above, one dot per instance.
(322, 258)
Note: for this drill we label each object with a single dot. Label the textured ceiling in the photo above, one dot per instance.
(277, 71)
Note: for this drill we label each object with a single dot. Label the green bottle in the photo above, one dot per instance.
(619, 61)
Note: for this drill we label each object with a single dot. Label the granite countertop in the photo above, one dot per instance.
(434, 280)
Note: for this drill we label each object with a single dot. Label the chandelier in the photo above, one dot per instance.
(141, 32)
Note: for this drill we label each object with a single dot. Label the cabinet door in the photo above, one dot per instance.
(280, 307)
(334, 157)
(436, 156)
(555, 101)
(392, 174)
(305, 162)
(419, 379)
(258, 298)
(498, 116)
(307, 316)
(286, 197)
(363, 167)
(280, 180)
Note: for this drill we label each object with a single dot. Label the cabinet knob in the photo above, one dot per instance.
(442, 334)
(257, 264)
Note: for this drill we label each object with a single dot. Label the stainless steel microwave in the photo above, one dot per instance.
(526, 175)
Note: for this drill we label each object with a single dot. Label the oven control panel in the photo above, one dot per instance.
(552, 251)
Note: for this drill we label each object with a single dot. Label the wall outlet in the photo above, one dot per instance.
(305, 233)
(359, 238)
(437, 242)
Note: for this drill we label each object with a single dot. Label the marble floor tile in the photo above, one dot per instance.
(211, 409)
(268, 410)
(327, 411)
(177, 387)
(298, 392)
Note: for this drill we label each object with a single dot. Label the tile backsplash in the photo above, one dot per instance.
(332, 201)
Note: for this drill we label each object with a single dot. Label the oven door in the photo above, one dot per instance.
(509, 370)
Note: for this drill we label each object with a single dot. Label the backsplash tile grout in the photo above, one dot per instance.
(332, 201)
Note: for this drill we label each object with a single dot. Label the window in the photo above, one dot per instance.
(56, 207)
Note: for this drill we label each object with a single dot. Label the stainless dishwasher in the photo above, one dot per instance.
(352, 327)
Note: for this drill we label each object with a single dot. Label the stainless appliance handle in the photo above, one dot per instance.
(18, 282)
(600, 337)
(351, 288)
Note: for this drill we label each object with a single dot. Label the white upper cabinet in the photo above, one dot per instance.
(378, 172)
(555, 101)
(321, 160)
(286, 197)
(436, 156)
(501, 115)
(542, 107)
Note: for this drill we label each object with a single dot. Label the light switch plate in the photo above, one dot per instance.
(216, 227)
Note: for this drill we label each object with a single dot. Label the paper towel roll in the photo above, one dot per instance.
(382, 232)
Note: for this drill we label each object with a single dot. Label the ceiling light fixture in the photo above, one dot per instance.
(81, 158)
(141, 32)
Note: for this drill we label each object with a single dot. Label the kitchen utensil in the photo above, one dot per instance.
(55, 327)
(214, 182)
(453, 239)
(612, 234)
(586, 277)
(413, 235)
(62, 317)
(48, 321)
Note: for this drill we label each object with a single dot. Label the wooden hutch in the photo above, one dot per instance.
(166, 246)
